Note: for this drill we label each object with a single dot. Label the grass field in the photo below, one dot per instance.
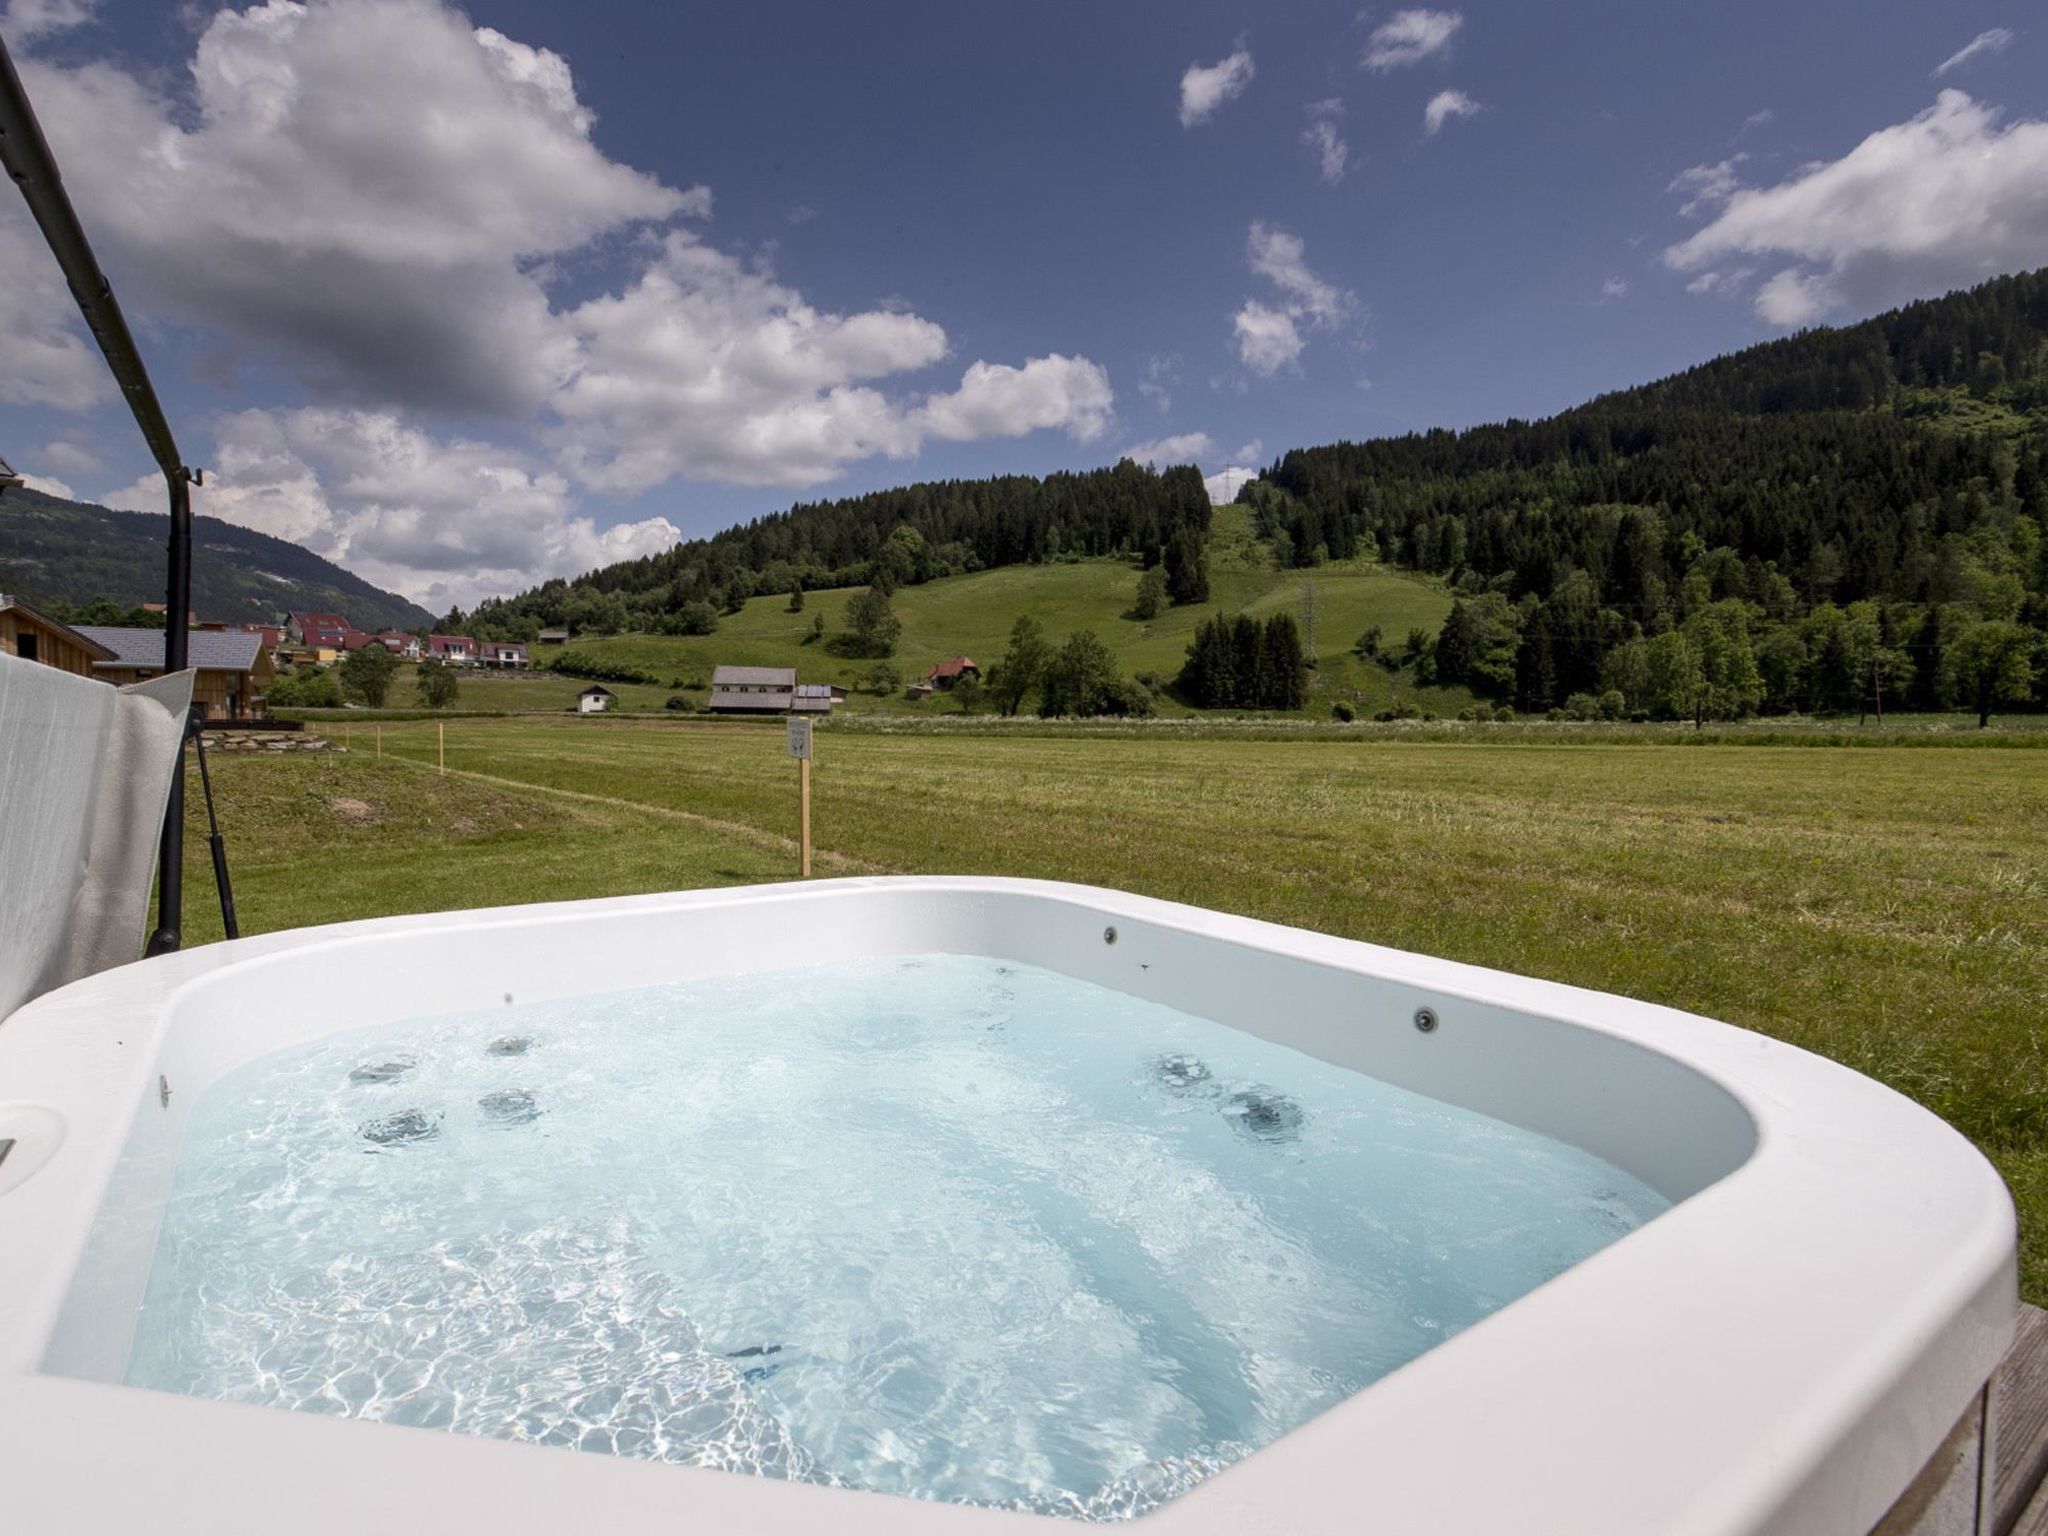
(1887, 907)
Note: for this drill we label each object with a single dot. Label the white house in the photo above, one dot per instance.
(594, 700)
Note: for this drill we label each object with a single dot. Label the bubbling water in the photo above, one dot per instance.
(938, 1226)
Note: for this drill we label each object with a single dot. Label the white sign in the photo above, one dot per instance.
(799, 736)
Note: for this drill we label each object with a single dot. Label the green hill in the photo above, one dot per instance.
(66, 552)
(971, 615)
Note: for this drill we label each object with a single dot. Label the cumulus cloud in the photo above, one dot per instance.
(1409, 37)
(1444, 106)
(1269, 336)
(363, 187)
(51, 486)
(711, 369)
(444, 521)
(1206, 87)
(1614, 288)
(1324, 141)
(26, 20)
(1949, 198)
(996, 400)
(1994, 40)
(47, 360)
(1182, 448)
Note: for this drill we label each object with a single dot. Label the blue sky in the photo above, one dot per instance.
(467, 298)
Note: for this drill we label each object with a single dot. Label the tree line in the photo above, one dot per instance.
(892, 539)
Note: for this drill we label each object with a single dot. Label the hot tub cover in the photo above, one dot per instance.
(85, 770)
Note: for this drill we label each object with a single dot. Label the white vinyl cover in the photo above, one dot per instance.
(85, 770)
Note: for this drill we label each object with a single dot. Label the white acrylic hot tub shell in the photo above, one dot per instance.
(1779, 1352)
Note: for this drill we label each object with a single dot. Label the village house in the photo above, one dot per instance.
(316, 631)
(768, 691)
(456, 650)
(234, 669)
(947, 673)
(558, 636)
(502, 653)
(400, 644)
(594, 700)
(35, 636)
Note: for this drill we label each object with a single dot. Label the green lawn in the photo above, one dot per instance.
(1887, 907)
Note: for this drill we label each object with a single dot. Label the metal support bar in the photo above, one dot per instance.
(215, 843)
(25, 154)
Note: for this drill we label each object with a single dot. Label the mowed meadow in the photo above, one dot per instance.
(1885, 906)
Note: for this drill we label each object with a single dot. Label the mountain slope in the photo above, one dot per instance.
(67, 551)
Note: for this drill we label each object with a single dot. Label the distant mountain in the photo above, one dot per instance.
(67, 551)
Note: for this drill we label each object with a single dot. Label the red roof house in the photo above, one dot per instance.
(456, 648)
(947, 673)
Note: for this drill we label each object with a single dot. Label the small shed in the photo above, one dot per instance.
(556, 636)
(594, 700)
(947, 673)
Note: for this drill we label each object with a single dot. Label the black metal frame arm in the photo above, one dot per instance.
(26, 156)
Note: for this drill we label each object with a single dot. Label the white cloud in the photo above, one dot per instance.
(1716, 280)
(70, 458)
(1183, 448)
(1267, 339)
(381, 184)
(1444, 106)
(48, 360)
(1206, 87)
(709, 369)
(1706, 188)
(1408, 37)
(52, 487)
(1224, 484)
(1324, 141)
(1757, 119)
(1162, 377)
(1280, 258)
(1614, 288)
(445, 521)
(26, 20)
(1946, 199)
(996, 400)
(1995, 40)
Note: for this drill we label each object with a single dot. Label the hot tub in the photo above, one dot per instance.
(1817, 1278)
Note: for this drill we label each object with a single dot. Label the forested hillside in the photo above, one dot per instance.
(65, 553)
(1840, 520)
(1825, 523)
(899, 537)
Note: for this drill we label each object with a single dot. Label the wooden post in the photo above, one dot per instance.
(380, 741)
(803, 767)
(441, 737)
(344, 736)
(800, 748)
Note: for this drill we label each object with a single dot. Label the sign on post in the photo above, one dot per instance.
(800, 749)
